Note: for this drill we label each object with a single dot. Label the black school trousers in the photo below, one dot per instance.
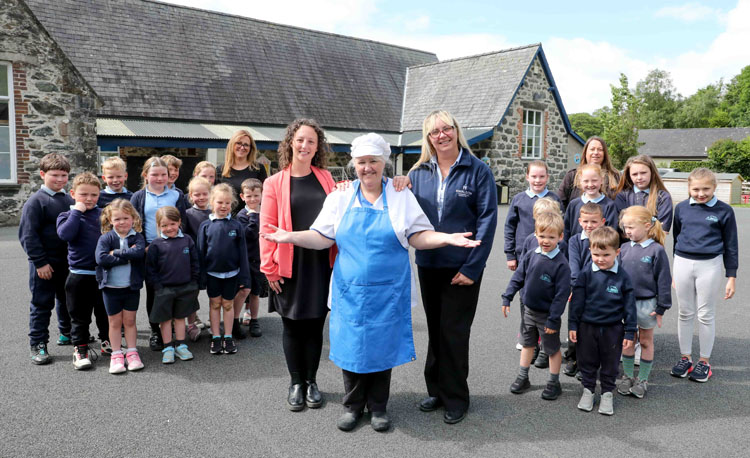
(371, 390)
(598, 350)
(84, 296)
(450, 311)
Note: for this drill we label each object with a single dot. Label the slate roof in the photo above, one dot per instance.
(687, 143)
(148, 59)
(477, 90)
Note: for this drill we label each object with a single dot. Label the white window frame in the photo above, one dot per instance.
(11, 127)
(533, 151)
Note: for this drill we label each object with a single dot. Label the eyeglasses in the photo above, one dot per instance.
(447, 130)
(242, 145)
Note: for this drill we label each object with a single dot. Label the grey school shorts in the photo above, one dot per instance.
(644, 307)
(533, 328)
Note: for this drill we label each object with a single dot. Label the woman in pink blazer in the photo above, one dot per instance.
(298, 277)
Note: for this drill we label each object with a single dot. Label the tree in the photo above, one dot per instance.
(734, 110)
(621, 123)
(586, 125)
(697, 110)
(659, 100)
(729, 156)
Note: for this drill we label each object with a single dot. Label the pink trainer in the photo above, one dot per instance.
(134, 361)
(117, 364)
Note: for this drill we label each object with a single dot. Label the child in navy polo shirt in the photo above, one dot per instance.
(224, 264)
(590, 183)
(647, 263)
(640, 184)
(589, 218)
(120, 255)
(48, 266)
(81, 228)
(542, 205)
(114, 174)
(199, 189)
(602, 298)
(250, 218)
(173, 269)
(544, 276)
(519, 223)
(705, 234)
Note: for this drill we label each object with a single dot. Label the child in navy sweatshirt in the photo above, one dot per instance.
(647, 263)
(544, 276)
(519, 223)
(199, 189)
(224, 265)
(640, 184)
(590, 217)
(48, 265)
(172, 267)
(114, 174)
(120, 272)
(602, 299)
(250, 219)
(590, 183)
(80, 227)
(705, 237)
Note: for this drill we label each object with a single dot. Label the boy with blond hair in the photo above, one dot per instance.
(114, 175)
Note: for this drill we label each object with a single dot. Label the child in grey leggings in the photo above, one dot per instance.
(705, 234)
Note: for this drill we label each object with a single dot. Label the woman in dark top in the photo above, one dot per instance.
(240, 163)
(594, 151)
(298, 277)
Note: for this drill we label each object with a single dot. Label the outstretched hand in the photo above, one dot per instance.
(278, 236)
(460, 239)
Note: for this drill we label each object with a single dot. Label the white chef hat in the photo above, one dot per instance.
(370, 144)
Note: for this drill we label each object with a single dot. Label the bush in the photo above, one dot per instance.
(688, 166)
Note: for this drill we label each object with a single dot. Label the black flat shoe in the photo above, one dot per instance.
(348, 421)
(454, 416)
(430, 404)
(542, 361)
(313, 398)
(520, 385)
(296, 400)
(380, 421)
(552, 391)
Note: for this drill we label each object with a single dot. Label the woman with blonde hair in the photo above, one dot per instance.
(240, 163)
(457, 192)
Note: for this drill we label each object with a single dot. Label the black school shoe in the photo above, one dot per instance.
(570, 369)
(237, 331)
(454, 416)
(155, 342)
(536, 355)
(255, 328)
(216, 348)
(552, 391)
(430, 404)
(520, 385)
(229, 347)
(542, 361)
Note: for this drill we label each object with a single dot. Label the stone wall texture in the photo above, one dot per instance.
(503, 150)
(55, 109)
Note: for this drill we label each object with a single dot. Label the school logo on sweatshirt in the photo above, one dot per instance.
(464, 191)
(232, 233)
(613, 289)
(712, 218)
(646, 259)
(186, 250)
(545, 278)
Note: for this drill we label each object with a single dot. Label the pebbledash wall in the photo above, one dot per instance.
(503, 150)
(54, 109)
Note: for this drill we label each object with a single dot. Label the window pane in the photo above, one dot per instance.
(4, 105)
(4, 139)
(4, 166)
(538, 118)
(3, 80)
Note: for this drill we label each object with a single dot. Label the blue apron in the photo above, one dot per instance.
(370, 324)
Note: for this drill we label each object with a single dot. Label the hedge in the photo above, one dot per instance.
(688, 166)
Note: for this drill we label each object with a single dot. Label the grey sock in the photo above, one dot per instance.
(554, 377)
(523, 371)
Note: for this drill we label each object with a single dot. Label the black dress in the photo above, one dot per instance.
(236, 178)
(305, 295)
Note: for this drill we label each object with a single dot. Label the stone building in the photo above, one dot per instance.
(179, 80)
(667, 145)
(508, 106)
(46, 105)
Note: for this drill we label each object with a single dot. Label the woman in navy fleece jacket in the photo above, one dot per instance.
(457, 193)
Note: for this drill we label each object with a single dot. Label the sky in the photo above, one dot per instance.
(587, 43)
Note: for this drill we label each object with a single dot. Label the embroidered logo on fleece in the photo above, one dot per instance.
(613, 289)
(186, 250)
(646, 259)
(712, 218)
(546, 278)
(232, 233)
(464, 192)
